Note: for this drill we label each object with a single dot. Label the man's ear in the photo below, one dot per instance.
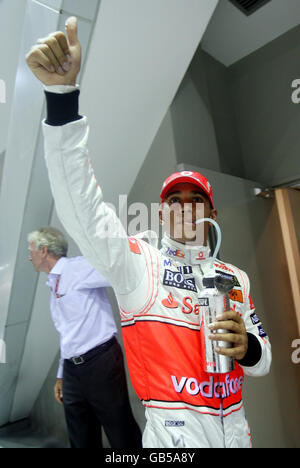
(44, 251)
(214, 214)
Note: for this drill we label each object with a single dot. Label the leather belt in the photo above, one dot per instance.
(78, 360)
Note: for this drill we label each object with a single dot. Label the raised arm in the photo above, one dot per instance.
(94, 226)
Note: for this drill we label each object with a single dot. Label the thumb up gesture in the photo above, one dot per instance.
(56, 59)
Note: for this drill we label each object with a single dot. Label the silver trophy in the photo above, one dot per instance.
(213, 301)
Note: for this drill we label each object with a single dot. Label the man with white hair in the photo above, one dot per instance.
(91, 381)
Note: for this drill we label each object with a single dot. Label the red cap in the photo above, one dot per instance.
(187, 176)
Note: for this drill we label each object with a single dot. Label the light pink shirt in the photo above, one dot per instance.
(79, 307)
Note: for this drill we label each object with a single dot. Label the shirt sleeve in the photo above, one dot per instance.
(60, 369)
(91, 278)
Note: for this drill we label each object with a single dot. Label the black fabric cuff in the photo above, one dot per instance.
(254, 352)
(62, 108)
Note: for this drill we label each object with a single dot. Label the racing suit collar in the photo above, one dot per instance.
(190, 254)
(149, 236)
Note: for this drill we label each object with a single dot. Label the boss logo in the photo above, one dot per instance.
(177, 280)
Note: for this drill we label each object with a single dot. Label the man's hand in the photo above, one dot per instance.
(58, 392)
(56, 59)
(236, 335)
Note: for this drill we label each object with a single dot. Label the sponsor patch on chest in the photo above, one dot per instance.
(177, 280)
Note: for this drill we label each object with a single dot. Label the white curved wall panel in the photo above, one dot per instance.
(11, 13)
(25, 204)
(17, 282)
(138, 56)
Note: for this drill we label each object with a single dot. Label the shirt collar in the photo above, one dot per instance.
(59, 266)
(190, 254)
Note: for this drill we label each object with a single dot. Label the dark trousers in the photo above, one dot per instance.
(95, 394)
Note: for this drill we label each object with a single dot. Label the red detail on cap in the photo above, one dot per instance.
(134, 246)
(187, 176)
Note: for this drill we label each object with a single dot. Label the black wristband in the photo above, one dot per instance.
(62, 108)
(254, 352)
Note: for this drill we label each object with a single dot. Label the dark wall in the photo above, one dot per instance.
(268, 122)
(224, 117)
(241, 120)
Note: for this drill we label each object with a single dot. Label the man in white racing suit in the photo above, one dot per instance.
(157, 290)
